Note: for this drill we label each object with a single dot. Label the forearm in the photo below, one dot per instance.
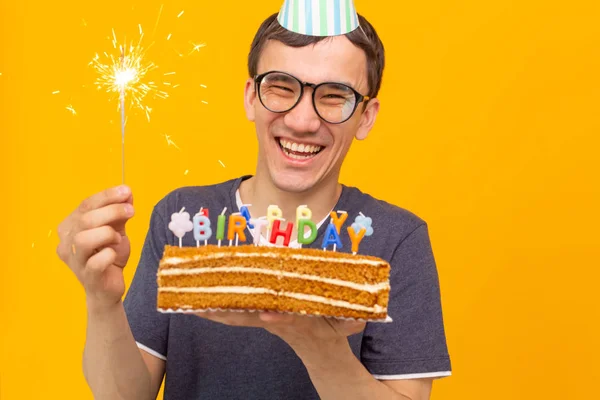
(337, 374)
(112, 363)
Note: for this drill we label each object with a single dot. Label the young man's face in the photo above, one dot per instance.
(318, 147)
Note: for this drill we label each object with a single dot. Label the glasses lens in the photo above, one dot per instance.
(279, 92)
(335, 102)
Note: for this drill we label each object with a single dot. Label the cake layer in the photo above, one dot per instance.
(279, 252)
(305, 261)
(367, 295)
(367, 287)
(264, 300)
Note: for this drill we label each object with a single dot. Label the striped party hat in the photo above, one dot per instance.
(318, 17)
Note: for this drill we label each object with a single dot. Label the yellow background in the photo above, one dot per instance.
(488, 130)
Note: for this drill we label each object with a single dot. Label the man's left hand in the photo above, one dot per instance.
(301, 332)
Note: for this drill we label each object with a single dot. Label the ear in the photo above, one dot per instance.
(250, 99)
(367, 119)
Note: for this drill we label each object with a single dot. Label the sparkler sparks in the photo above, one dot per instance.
(197, 47)
(170, 142)
(124, 75)
(71, 109)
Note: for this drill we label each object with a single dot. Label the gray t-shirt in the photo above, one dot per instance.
(208, 360)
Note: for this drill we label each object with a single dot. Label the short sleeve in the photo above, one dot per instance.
(414, 344)
(149, 326)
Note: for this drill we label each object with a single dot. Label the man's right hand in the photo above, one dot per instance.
(93, 243)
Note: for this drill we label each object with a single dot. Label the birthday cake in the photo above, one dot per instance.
(255, 278)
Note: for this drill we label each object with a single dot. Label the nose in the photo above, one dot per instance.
(303, 118)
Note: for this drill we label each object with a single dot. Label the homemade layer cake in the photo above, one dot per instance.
(304, 281)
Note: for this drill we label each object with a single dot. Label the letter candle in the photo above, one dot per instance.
(338, 222)
(257, 231)
(246, 213)
(356, 238)
(221, 226)
(359, 229)
(237, 224)
(273, 213)
(202, 229)
(277, 231)
(331, 237)
(302, 227)
(303, 213)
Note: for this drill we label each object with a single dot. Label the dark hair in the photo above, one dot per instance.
(364, 37)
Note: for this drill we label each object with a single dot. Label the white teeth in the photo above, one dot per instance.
(297, 157)
(308, 149)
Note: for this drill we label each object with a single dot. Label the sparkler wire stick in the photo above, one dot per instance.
(123, 119)
(123, 133)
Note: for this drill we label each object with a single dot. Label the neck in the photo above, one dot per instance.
(261, 192)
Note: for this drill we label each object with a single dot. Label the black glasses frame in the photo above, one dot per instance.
(358, 97)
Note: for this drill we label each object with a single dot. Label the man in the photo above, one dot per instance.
(304, 131)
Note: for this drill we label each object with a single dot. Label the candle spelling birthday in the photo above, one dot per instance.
(275, 225)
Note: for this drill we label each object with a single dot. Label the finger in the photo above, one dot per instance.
(86, 243)
(113, 214)
(345, 327)
(117, 194)
(276, 318)
(98, 263)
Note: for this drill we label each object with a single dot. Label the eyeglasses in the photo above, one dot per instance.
(333, 102)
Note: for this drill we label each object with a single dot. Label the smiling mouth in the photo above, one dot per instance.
(299, 151)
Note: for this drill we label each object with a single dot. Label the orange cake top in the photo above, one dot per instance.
(283, 252)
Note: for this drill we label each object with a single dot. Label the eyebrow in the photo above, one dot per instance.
(341, 86)
(284, 78)
(288, 79)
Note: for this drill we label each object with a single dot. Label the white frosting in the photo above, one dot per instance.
(255, 290)
(346, 260)
(371, 288)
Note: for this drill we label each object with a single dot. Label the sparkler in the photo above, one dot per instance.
(124, 76)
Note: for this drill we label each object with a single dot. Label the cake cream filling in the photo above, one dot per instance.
(256, 290)
(371, 288)
(343, 260)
